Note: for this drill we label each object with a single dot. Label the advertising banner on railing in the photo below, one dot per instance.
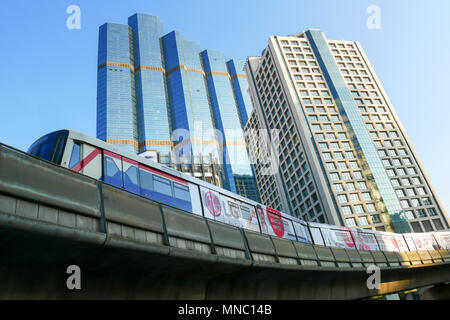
(443, 239)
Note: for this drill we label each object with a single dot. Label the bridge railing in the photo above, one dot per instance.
(37, 190)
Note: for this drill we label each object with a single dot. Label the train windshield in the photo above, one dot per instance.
(50, 147)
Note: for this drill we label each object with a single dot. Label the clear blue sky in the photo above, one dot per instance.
(49, 73)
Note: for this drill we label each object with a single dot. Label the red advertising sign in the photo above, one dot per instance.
(276, 222)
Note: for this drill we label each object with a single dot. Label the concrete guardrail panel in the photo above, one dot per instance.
(403, 258)
(366, 257)
(259, 243)
(379, 258)
(414, 257)
(392, 258)
(284, 248)
(445, 254)
(325, 256)
(306, 253)
(45, 183)
(425, 256)
(342, 258)
(340, 254)
(226, 236)
(435, 255)
(185, 225)
(131, 210)
(355, 258)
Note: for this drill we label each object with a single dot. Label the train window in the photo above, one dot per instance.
(50, 146)
(302, 232)
(181, 192)
(162, 185)
(146, 182)
(130, 175)
(112, 169)
(317, 236)
(75, 156)
(245, 213)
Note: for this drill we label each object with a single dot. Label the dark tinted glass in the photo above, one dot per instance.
(50, 147)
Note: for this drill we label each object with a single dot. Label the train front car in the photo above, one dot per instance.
(50, 147)
(133, 173)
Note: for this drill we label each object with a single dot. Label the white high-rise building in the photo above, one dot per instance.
(343, 156)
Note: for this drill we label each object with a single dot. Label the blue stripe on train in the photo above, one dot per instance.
(157, 196)
(114, 180)
(129, 185)
(177, 203)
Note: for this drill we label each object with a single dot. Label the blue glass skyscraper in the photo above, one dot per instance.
(116, 102)
(152, 116)
(163, 93)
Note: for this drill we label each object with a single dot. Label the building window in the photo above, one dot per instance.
(409, 215)
(376, 218)
(342, 198)
(366, 196)
(350, 186)
(350, 222)
(404, 203)
(358, 209)
(346, 211)
(363, 221)
(334, 177)
(421, 213)
(346, 176)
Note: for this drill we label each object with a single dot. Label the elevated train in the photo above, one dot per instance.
(133, 173)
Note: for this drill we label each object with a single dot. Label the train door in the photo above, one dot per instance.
(195, 199)
(112, 169)
(248, 217)
(86, 159)
(316, 235)
(278, 225)
(443, 239)
(402, 246)
(232, 212)
(212, 205)
(365, 240)
(301, 229)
